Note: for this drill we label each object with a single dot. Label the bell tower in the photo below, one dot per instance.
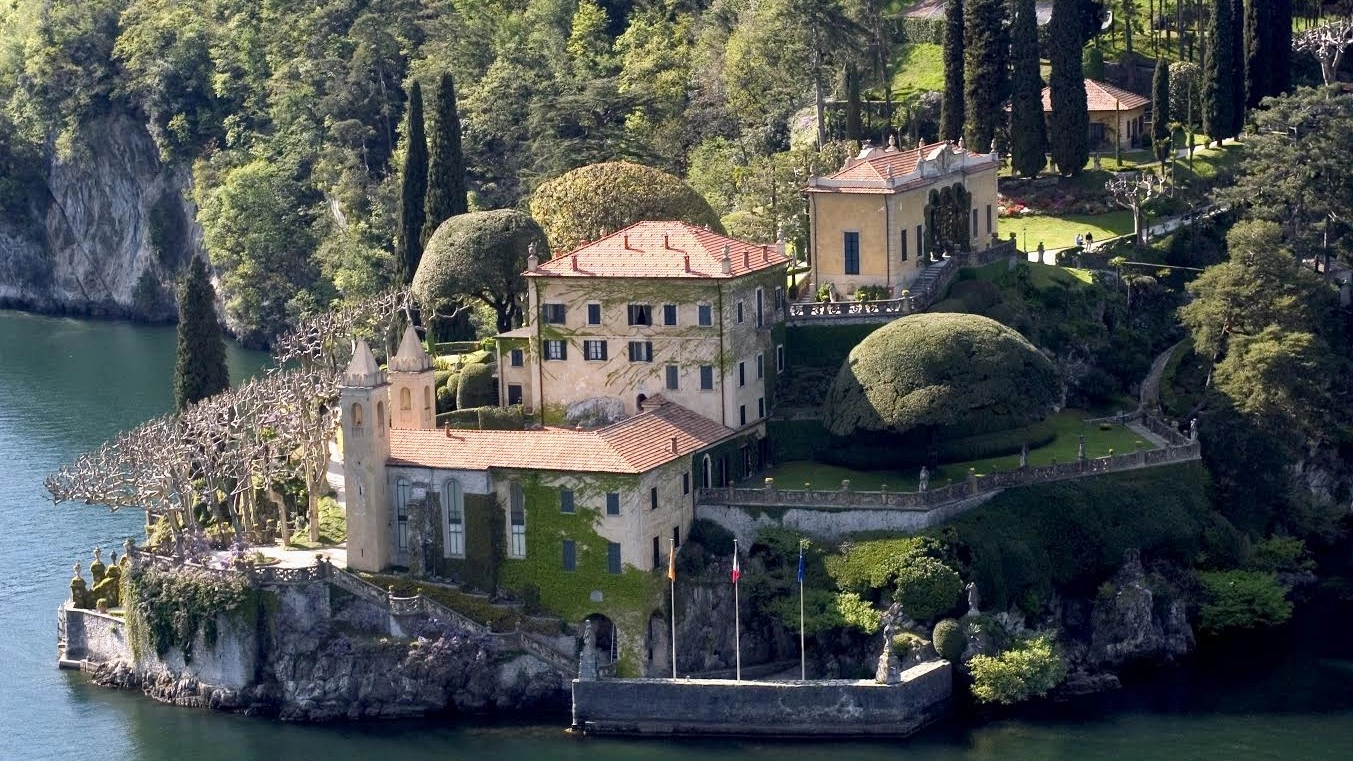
(412, 385)
(365, 398)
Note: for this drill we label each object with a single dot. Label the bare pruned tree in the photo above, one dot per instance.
(1327, 43)
(1132, 191)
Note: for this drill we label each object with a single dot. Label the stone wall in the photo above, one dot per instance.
(816, 708)
(746, 521)
(90, 635)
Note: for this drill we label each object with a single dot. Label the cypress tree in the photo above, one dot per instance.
(200, 365)
(1279, 35)
(1160, 111)
(854, 130)
(986, 57)
(1238, 80)
(951, 107)
(446, 163)
(413, 190)
(1219, 66)
(1028, 129)
(1069, 126)
(1268, 49)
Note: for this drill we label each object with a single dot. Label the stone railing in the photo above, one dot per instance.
(1180, 450)
(545, 651)
(258, 574)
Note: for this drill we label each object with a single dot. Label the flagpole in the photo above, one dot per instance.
(671, 576)
(803, 652)
(737, 615)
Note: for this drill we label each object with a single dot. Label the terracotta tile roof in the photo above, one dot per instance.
(1102, 97)
(636, 445)
(661, 249)
(880, 160)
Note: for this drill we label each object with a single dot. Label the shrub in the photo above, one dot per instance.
(477, 387)
(1281, 553)
(871, 293)
(1242, 600)
(949, 640)
(858, 612)
(875, 564)
(1029, 669)
(579, 204)
(713, 538)
(333, 525)
(501, 418)
(927, 588)
(446, 398)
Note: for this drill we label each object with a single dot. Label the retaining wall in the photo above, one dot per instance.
(87, 635)
(803, 709)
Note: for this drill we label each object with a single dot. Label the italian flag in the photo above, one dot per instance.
(737, 569)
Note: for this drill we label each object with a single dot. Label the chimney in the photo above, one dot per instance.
(627, 243)
(687, 259)
(674, 445)
(765, 253)
(532, 261)
(666, 242)
(727, 261)
(574, 260)
(447, 428)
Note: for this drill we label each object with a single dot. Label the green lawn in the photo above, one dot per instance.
(1061, 231)
(794, 475)
(920, 68)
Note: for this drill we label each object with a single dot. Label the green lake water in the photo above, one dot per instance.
(67, 385)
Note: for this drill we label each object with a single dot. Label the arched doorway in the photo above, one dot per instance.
(639, 402)
(707, 473)
(603, 633)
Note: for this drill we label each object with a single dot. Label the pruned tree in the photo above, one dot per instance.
(1132, 191)
(1328, 44)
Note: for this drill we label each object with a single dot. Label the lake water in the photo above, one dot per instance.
(66, 385)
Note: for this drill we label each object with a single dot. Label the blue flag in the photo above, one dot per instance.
(800, 564)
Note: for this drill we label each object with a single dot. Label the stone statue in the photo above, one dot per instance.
(587, 660)
(1080, 447)
(889, 669)
(1024, 456)
(974, 598)
(78, 573)
(1193, 429)
(924, 482)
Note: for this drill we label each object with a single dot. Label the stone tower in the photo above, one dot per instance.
(413, 395)
(365, 396)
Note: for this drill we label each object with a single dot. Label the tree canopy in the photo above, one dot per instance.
(200, 364)
(581, 204)
(480, 255)
(938, 371)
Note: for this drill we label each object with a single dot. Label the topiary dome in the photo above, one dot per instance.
(578, 205)
(960, 373)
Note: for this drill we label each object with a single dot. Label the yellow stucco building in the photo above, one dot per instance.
(869, 221)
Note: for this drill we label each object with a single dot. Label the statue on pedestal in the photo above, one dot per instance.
(974, 598)
(889, 669)
(924, 482)
(1024, 456)
(587, 660)
(1193, 429)
(1080, 447)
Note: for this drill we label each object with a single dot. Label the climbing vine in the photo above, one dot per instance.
(167, 609)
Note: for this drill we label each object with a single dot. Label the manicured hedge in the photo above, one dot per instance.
(823, 345)
(477, 387)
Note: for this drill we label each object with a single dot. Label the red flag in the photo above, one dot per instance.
(737, 569)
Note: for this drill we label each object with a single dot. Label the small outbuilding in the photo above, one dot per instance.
(1116, 115)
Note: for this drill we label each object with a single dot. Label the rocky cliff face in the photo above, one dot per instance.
(106, 231)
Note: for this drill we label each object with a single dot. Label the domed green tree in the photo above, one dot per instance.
(578, 205)
(940, 375)
(479, 255)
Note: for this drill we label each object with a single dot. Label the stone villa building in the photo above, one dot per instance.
(869, 221)
(1116, 115)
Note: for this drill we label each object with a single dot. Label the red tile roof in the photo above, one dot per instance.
(636, 445)
(1102, 97)
(662, 249)
(880, 160)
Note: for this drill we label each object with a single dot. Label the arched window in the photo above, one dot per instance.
(380, 417)
(427, 397)
(453, 507)
(707, 473)
(516, 519)
(356, 413)
(405, 399)
(402, 489)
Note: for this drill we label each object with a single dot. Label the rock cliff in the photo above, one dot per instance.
(106, 232)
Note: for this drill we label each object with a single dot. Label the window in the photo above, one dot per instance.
(760, 307)
(657, 555)
(641, 351)
(706, 377)
(742, 414)
(780, 358)
(779, 298)
(852, 253)
(427, 397)
(556, 349)
(641, 314)
(356, 414)
(920, 242)
(453, 499)
(566, 501)
(405, 399)
(613, 557)
(988, 219)
(402, 489)
(676, 536)
(902, 244)
(686, 483)
(553, 313)
(516, 537)
(518, 358)
(705, 314)
(570, 555)
(739, 312)
(669, 314)
(613, 503)
(653, 498)
(742, 374)
(514, 395)
(760, 407)
(974, 223)
(593, 314)
(594, 350)
(760, 366)
(673, 373)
